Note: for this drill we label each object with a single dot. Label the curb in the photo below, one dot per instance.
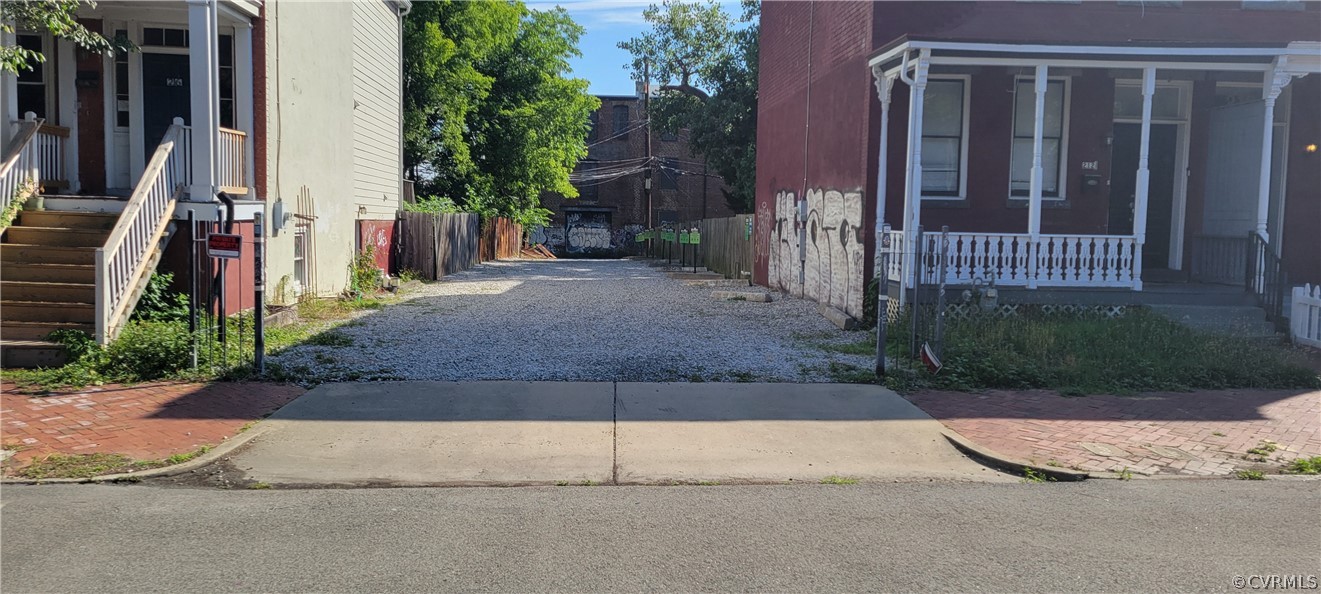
(212, 455)
(1005, 463)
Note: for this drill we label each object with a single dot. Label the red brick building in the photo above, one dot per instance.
(611, 207)
(1094, 145)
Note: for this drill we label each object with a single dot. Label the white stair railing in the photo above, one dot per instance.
(20, 161)
(122, 262)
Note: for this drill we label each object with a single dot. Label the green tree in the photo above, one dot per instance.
(57, 17)
(706, 63)
(492, 118)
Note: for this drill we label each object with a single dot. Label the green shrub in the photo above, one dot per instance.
(148, 350)
(364, 275)
(159, 303)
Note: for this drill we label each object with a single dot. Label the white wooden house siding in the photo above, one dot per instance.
(377, 87)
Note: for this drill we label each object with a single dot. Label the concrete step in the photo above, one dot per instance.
(689, 276)
(67, 219)
(724, 282)
(54, 273)
(1247, 322)
(42, 254)
(47, 291)
(31, 353)
(47, 311)
(19, 331)
(56, 236)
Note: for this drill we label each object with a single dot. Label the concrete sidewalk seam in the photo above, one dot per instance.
(215, 453)
(614, 434)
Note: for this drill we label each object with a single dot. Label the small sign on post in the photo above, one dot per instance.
(224, 245)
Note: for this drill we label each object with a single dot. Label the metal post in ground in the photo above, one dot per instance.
(259, 294)
(915, 308)
(882, 299)
(940, 295)
(192, 283)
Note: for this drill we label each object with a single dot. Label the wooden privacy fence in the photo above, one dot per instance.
(438, 244)
(727, 245)
(502, 239)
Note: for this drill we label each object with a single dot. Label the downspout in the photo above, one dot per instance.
(801, 214)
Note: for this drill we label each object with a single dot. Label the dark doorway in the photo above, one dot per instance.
(165, 96)
(1160, 188)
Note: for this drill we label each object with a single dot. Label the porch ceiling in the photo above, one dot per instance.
(1303, 56)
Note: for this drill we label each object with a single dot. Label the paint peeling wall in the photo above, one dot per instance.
(830, 264)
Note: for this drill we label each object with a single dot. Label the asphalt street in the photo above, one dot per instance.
(933, 536)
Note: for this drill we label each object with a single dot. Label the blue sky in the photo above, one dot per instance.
(608, 22)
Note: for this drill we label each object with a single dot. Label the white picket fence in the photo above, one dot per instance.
(1305, 321)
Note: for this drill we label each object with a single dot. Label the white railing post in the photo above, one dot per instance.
(102, 297)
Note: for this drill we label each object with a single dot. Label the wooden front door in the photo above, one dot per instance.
(1160, 187)
(165, 96)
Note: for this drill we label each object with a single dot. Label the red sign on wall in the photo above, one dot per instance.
(223, 245)
(380, 236)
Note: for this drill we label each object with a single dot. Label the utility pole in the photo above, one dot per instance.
(646, 113)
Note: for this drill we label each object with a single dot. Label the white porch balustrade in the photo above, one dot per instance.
(232, 173)
(1006, 259)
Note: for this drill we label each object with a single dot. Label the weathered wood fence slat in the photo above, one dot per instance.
(727, 245)
(436, 245)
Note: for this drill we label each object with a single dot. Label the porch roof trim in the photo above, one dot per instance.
(1258, 57)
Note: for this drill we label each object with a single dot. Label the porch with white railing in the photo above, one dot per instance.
(1016, 259)
(20, 165)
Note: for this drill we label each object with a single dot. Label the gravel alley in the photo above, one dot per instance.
(579, 320)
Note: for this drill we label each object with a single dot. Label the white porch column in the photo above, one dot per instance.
(913, 183)
(67, 70)
(243, 100)
(1040, 86)
(884, 84)
(1271, 87)
(1144, 176)
(203, 68)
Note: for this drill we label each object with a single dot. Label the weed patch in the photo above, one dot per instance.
(839, 480)
(1250, 475)
(1305, 466)
(76, 466)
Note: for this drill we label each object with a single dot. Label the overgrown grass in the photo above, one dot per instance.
(94, 465)
(1136, 352)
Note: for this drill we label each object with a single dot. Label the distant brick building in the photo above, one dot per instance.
(612, 206)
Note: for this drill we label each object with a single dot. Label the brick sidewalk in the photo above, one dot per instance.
(144, 421)
(1202, 433)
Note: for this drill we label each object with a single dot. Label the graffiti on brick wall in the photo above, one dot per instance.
(551, 237)
(587, 231)
(833, 265)
(625, 236)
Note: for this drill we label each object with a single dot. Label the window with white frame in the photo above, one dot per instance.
(121, 81)
(944, 134)
(1053, 138)
(34, 88)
